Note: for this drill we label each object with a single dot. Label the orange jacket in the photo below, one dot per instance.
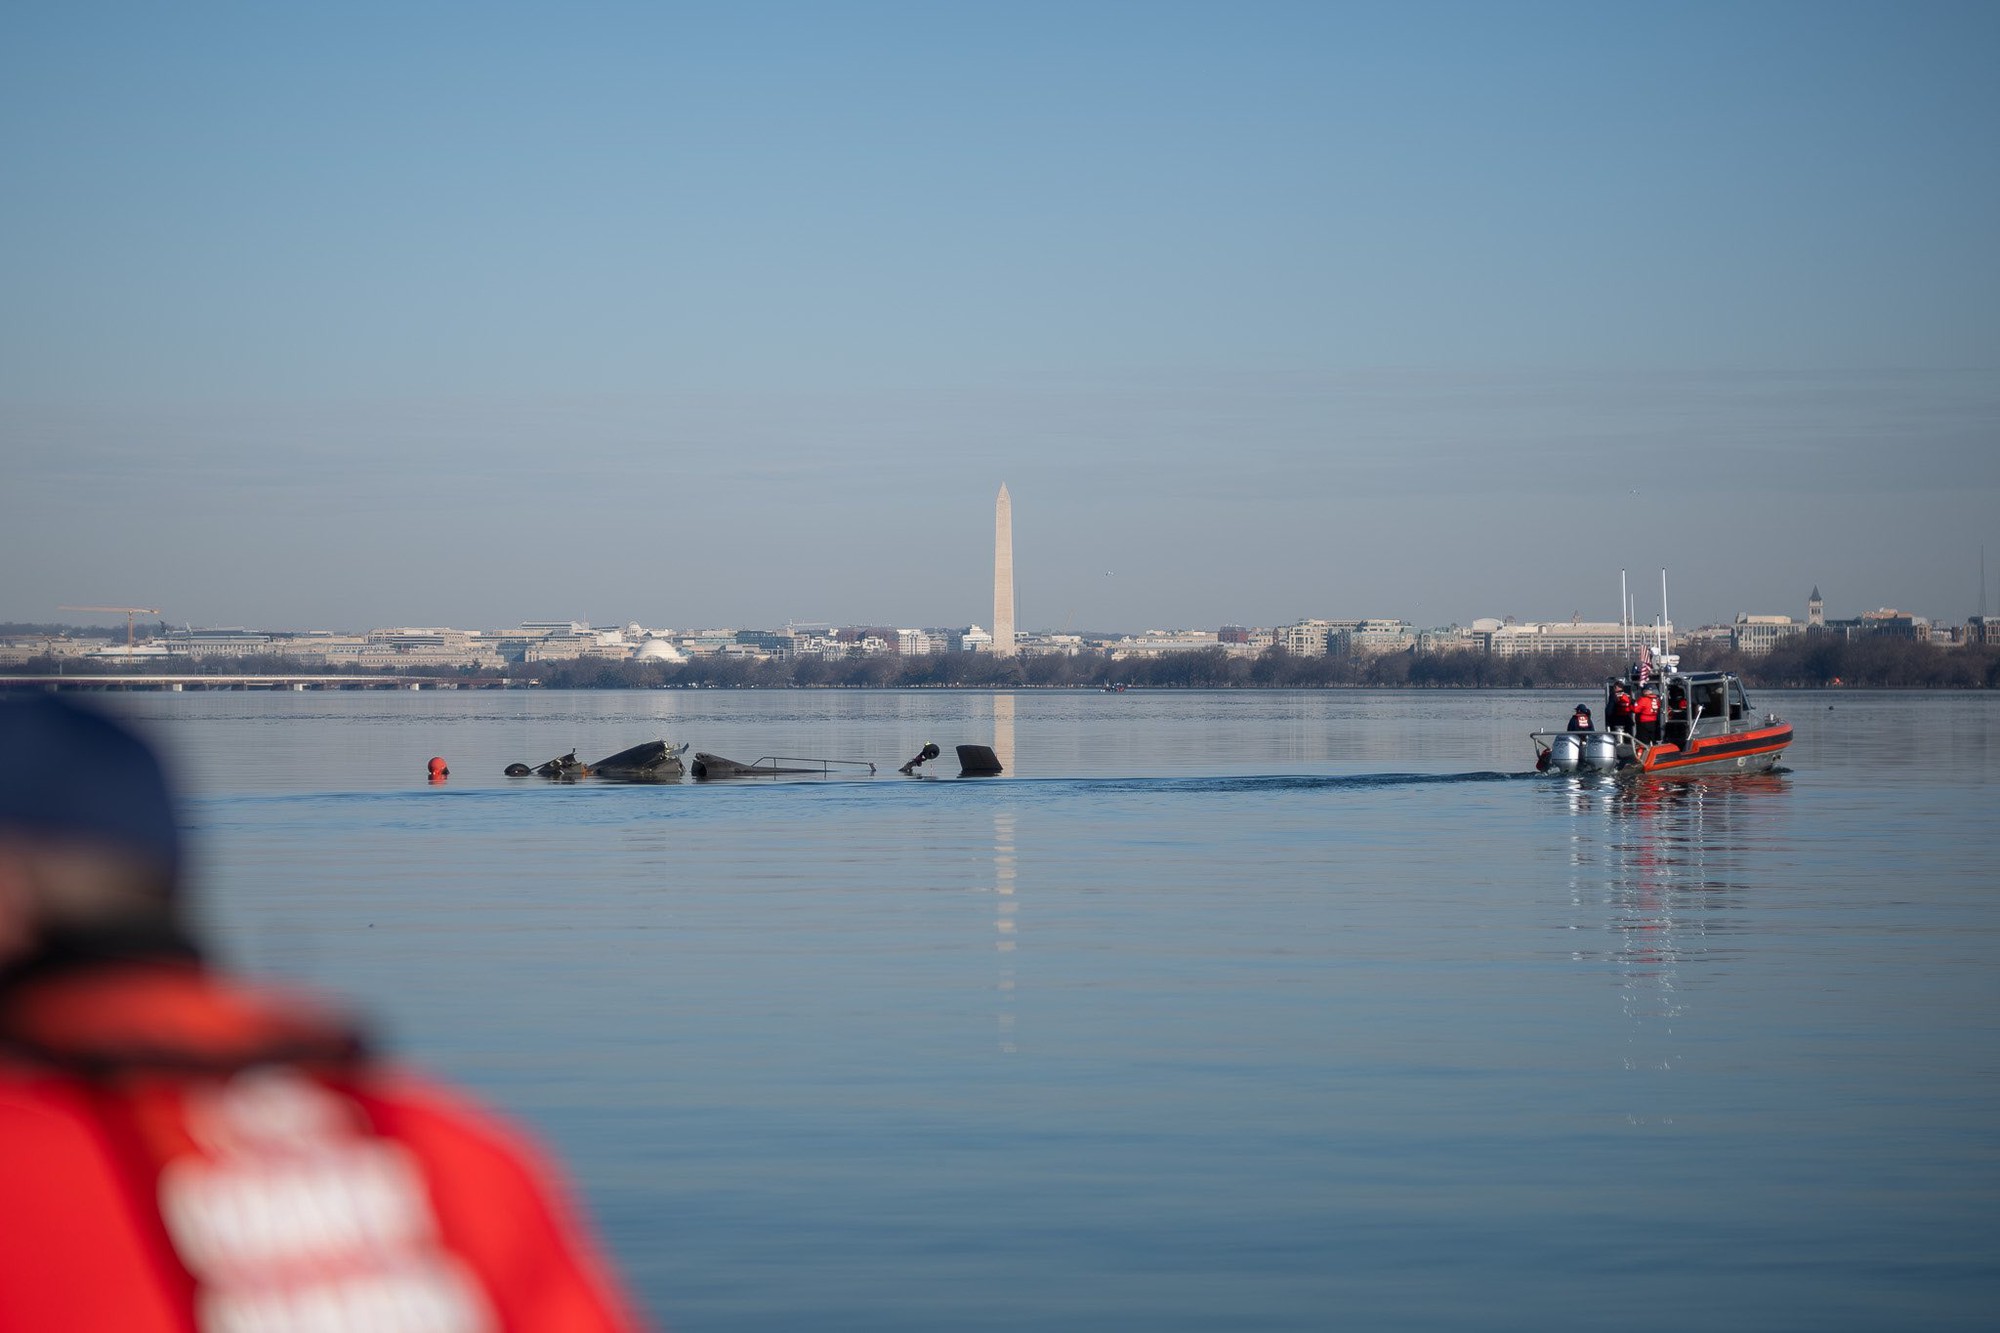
(181, 1154)
(1646, 708)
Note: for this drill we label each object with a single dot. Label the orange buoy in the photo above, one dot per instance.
(438, 767)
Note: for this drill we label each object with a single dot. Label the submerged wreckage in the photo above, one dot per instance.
(708, 767)
(657, 761)
(652, 761)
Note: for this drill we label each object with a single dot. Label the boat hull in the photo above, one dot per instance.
(1753, 751)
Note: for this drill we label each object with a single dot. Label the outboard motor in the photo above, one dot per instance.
(1566, 753)
(924, 756)
(1600, 751)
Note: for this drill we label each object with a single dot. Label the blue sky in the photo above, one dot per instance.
(705, 314)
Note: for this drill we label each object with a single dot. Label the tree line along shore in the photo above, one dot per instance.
(1806, 662)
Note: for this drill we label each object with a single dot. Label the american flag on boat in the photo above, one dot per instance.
(1645, 671)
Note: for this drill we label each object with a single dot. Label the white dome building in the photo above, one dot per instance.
(658, 650)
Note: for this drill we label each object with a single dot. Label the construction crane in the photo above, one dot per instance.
(127, 611)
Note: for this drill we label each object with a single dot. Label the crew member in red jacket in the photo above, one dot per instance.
(1620, 715)
(1646, 715)
(180, 1152)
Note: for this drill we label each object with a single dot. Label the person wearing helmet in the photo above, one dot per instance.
(1580, 719)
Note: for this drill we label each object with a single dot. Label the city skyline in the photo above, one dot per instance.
(1804, 612)
(700, 315)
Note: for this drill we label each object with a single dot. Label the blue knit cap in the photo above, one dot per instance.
(71, 772)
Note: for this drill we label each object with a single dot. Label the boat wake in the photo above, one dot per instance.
(1263, 782)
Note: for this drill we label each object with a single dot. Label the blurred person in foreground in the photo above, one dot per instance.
(179, 1151)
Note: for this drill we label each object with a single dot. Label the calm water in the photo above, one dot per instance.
(1221, 1011)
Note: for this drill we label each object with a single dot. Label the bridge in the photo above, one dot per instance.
(251, 681)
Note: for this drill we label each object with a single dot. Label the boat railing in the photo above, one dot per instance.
(771, 763)
(1620, 734)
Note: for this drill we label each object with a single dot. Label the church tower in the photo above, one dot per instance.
(1815, 611)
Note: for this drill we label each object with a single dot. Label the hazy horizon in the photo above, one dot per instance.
(705, 315)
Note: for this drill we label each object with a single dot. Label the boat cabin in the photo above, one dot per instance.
(1692, 704)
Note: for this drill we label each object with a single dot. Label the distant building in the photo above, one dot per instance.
(865, 640)
(1049, 645)
(1303, 638)
(1368, 638)
(1449, 639)
(436, 647)
(559, 641)
(792, 641)
(657, 648)
(232, 642)
(1889, 623)
(1242, 641)
(706, 642)
(1568, 636)
(1755, 636)
(1885, 623)
(131, 654)
(1308, 638)
(578, 643)
(28, 648)
(1159, 643)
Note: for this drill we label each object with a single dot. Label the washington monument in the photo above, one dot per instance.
(1003, 574)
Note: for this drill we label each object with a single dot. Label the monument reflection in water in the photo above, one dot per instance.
(1005, 903)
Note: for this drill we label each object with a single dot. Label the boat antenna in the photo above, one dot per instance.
(1666, 621)
(1625, 606)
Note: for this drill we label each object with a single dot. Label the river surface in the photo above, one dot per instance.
(1220, 1010)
